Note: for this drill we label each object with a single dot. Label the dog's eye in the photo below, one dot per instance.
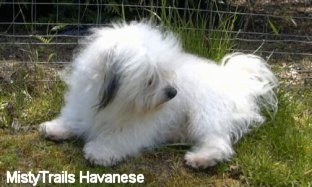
(150, 81)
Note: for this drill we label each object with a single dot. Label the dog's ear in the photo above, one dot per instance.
(110, 87)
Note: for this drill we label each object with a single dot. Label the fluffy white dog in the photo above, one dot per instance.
(133, 86)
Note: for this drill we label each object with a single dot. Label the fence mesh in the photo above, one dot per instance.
(48, 31)
(284, 29)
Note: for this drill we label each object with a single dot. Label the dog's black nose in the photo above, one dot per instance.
(170, 92)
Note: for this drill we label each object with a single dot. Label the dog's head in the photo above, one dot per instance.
(134, 82)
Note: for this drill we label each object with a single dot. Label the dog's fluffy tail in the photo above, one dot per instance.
(251, 78)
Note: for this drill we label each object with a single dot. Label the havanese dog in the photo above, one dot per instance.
(132, 86)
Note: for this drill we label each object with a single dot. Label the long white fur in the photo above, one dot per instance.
(215, 104)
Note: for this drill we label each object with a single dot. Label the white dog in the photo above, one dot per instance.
(133, 86)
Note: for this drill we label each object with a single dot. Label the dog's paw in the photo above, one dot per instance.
(100, 155)
(198, 160)
(54, 130)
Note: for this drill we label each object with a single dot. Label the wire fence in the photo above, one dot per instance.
(49, 31)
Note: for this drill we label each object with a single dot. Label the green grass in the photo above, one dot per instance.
(200, 32)
(276, 154)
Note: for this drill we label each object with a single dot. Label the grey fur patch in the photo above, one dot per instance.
(110, 87)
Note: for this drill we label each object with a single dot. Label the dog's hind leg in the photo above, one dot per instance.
(212, 142)
(208, 153)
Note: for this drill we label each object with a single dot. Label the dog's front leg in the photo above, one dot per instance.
(109, 149)
(102, 153)
(57, 129)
